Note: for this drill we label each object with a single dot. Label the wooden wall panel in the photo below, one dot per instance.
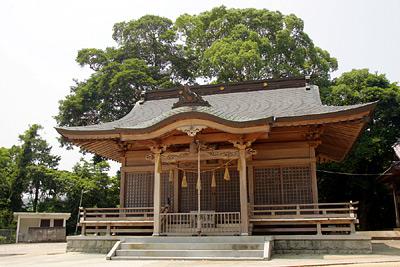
(283, 185)
(281, 151)
(139, 187)
(137, 158)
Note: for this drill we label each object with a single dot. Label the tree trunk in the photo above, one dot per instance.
(35, 200)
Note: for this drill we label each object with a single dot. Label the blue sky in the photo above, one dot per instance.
(39, 41)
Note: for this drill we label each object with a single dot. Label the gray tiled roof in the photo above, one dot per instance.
(233, 107)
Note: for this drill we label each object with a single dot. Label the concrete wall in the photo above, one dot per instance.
(333, 244)
(30, 231)
(24, 225)
(91, 244)
(46, 234)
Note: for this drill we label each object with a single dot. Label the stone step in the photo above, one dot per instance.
(173, 254)
(193, 246)
(197, 239)
(186, 258)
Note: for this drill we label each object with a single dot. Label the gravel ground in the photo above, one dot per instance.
(386, 253)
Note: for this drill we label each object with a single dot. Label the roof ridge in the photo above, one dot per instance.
(226, 88)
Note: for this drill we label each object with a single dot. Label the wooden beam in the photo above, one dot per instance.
(279, 162)
(205, 155)
(211, 138)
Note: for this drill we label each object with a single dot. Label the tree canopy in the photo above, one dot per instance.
(220, 45)
(373, 152)
(31, 181)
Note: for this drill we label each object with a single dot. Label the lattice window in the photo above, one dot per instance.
(296, 183)
(167, 191)
(227, 192)
(188, 195)
(267, 186)
(139, 188)
(282, 185)
(225, 197)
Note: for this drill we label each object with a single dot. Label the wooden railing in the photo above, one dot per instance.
(115, 213)
(347, 209)
(337, 217)
(210, 223)
(116, 220)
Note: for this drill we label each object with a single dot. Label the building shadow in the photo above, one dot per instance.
(383, 248)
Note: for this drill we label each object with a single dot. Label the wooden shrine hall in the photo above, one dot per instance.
(224, 159)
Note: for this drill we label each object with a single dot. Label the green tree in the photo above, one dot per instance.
(372, 153)
(33, 159)
(7, 175)
(221, 45)
(228, 45)
(88, 179)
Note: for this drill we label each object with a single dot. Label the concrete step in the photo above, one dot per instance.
(192, 253)
(185, 258)
(193, 246)
(196, 239)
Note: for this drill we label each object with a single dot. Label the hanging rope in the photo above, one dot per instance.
(357, 174)
(195, 170)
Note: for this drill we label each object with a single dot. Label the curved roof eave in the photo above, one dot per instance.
(367, 107)
(303, 119)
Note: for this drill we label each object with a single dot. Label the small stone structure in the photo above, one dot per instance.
(40, 226)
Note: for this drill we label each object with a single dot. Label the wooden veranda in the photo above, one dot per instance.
(322, 218)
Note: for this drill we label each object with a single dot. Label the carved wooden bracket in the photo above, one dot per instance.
(242, 144)
(314, 133)
(226, 154)
(158, 149)
(192, 130)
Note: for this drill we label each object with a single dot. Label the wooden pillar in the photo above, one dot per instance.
(396, 207)
(122, 183)
(176, 190)
(157, 192)
(313, 170)
(18, 226)
(243, 191)
(250, 176)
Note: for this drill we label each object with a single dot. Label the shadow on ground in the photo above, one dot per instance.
(385, 249)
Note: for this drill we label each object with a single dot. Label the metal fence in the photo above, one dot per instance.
(7, 236)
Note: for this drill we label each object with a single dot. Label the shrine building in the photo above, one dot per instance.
(224, 159)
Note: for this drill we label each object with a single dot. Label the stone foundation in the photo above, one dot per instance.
(297, 244)
(325, 244)
(91, 244)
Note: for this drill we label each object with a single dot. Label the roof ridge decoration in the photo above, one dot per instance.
(189, 98)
